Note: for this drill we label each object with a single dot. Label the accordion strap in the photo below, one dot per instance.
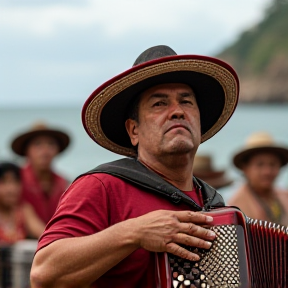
(131, 170)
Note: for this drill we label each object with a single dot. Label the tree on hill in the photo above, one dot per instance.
(260, 56)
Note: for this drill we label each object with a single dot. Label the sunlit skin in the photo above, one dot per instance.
(41, 151)
(168, 131)
(10, 188)
(261, 172)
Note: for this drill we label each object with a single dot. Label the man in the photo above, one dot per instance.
(111, 220)
(41, 186)
(260, 160)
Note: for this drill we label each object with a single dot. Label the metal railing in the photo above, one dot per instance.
(15, 264)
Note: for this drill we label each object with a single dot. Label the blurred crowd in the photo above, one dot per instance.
(29, 194)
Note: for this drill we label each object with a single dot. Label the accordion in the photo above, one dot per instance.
(246, 253)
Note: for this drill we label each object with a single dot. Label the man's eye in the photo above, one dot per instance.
(160, 103)
(187, 102)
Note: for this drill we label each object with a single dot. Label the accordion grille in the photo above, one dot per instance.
(218, 267)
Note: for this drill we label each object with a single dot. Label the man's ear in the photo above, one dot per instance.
(132, 130)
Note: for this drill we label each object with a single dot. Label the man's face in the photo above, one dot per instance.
(261, 170)
(10, 188)
(41, 150)
(169, 121)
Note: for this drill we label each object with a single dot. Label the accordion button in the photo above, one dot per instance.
(175, 283)
(180, 278)
(187, 282)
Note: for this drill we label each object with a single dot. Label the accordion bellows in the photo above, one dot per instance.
(246, 253)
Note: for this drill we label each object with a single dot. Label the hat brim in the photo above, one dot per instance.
(214, 82)
(241, 158)
(19, 144)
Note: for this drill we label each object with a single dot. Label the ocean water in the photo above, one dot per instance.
(83, 154)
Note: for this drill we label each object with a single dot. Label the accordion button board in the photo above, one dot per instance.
(218, 267)
(246, 253)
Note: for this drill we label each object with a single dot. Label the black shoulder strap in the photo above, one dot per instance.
(135, 172)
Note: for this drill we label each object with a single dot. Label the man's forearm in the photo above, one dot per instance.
(78, 262)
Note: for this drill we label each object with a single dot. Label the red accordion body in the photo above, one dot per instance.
(246, 253)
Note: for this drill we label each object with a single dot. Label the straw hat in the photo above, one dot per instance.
(20, 142)
(203, 169)
(260, 142)
(215, 83)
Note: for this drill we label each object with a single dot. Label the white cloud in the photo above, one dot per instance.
(118, 18)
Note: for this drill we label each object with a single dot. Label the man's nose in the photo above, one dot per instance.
(46, 148)
(269, 169)
(176, 111)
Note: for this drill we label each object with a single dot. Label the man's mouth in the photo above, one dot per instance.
(175, 126)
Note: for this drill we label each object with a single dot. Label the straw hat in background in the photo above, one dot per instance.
(260, 142)
(203, 169)
(20, 142)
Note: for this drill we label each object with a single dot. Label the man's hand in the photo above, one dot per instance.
(164, 230)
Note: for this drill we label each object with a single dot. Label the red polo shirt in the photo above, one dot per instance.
(95, 202)
(43, 204)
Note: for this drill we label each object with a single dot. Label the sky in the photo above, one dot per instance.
(56, 53)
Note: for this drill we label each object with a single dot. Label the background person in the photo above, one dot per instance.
(112, 220)
(41, 186)
(261, 160)
(203, 169)
(17, 220)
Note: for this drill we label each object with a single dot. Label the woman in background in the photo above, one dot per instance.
(17, 221)
(261, 160)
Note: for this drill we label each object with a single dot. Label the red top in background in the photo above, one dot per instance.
(43, 204)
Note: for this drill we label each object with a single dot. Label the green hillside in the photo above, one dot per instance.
(261, 55)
